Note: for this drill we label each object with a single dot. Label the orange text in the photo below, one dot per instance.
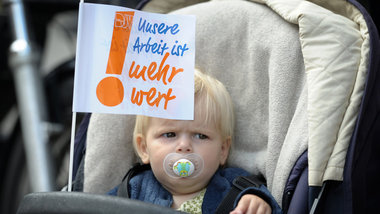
(151, 72)
(152, 97)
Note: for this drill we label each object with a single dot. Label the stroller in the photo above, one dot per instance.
(302, 75)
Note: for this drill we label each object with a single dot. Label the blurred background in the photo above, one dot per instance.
(52, 36)
(54, 76)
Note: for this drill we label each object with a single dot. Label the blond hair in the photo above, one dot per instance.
(209, 94)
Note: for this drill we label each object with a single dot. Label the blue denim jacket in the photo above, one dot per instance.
(145, 187)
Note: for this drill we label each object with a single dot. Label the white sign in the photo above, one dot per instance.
(134, 62)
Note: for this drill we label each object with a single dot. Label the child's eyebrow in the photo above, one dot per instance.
(203, 130)
(165, 128)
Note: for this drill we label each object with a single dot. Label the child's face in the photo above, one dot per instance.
(178, 136)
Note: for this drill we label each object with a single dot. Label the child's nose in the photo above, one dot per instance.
(184, 146)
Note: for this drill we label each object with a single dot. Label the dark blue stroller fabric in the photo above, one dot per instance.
(362, 170)
(80, 143)
(295, 198)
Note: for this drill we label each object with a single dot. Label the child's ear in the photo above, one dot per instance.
(226, 144)
(142, 149)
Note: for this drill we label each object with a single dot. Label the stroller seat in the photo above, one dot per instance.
(296, 73)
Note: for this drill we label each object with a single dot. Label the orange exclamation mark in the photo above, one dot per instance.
(110, 90)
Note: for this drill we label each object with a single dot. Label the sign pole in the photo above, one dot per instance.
(72, 151)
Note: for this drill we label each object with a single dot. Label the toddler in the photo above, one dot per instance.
(184, 159)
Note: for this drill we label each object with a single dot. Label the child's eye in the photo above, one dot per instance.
(169, 134)
(201, 136)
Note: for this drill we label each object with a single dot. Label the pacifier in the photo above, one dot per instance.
(178, 165)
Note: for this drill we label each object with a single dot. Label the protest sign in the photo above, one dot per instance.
(134, 62)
